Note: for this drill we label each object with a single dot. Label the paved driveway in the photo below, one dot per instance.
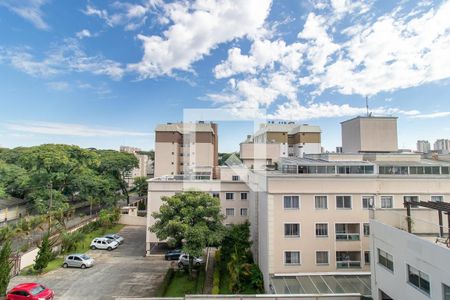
(123, 272)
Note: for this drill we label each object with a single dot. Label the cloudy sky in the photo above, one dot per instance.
(104, 73)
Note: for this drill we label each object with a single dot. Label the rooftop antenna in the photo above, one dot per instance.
(367, 106)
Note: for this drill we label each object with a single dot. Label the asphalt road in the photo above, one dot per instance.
(123, 272)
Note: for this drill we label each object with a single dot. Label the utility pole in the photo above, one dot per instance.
(50, 204)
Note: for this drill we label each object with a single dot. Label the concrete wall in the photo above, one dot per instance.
(164, 159)
(11, 213)
(407, 249)
(133, 220)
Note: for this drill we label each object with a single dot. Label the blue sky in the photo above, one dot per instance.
(104, 73)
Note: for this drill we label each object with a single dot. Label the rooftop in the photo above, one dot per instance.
(322, 284)
(186, 127)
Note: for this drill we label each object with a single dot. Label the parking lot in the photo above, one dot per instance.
(123, 272)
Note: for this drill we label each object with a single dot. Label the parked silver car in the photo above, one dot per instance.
(184, 260)
(104, 243)
(115, 237)
(78, 261)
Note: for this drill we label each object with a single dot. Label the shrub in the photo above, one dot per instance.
(5, 267)
(165, 284)
(44, 255)
(69, 240)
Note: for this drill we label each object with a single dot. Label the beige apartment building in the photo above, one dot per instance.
(309, 214)
(186, 148)
(312, 215)
(231, 189)
(275, 140)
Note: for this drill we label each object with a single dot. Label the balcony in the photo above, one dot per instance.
(348, 259)
(347, 232)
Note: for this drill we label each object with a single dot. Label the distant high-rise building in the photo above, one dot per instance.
(442, 145)
(423, 146)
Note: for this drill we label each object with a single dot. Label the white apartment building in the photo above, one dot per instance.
(143, 161)
(410, 265)
(423, 146)
(442, 146)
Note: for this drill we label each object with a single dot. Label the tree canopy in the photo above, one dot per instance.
(64, 174)
(192, 219)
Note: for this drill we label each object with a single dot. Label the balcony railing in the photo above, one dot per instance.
(348, 264)
(347, 236)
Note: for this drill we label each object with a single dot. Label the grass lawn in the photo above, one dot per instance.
(52, 265)
(84, 245)
(182, 285)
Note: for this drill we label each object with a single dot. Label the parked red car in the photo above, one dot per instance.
(30, 291)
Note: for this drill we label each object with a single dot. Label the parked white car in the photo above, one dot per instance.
(104, 243)
(115, 237)
(184, 260)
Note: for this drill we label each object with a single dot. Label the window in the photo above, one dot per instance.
(411, 199)
(322, 257)
(292, 230)
(291, 202)
(446, 292)
(385, 259)
(244, 212)
(321, 229)
(215, 194)
(367, 257)
(347, 232)
(386, 202)
(235, 178)
(292, 257)
(366, 229)
(344, 202)
(367, 202)
(321, 202)
(437, 198)
(243, 196)
(419, 279)
(229, 196)
(229, 212)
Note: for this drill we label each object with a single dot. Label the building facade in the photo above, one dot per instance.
(186, 148)
(369, 134)
(143, 162)
(442, 146)
(423, 146)
(276, 140)
(409, 265)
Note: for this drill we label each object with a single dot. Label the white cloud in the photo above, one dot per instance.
(263, 53)
(130, 15)
(49, 128)
(59, 85)
(197, 28)
(29, 10)
(65, 58)
(442, 114)
(83, 34)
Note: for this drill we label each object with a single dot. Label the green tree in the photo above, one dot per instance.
(44, 255)
(14, 179)
(191, 217)
(2, 192)
(117, 165)
(5, 266)
(141, 185)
